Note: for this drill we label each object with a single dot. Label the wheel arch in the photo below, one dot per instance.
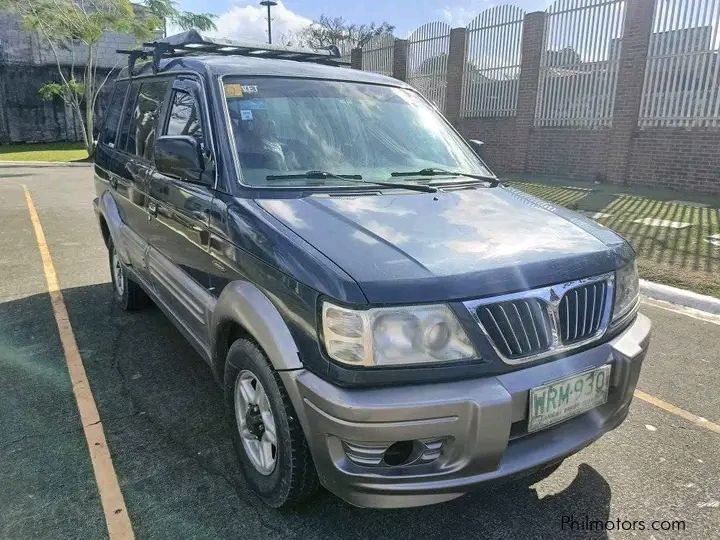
(111, 223)
(244, 311)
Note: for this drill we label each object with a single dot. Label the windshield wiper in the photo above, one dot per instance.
(358, 179)
(432, 171)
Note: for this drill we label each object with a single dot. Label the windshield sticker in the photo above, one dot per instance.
(254, 104)
(246, 115)
(233, 90)
(249, 88)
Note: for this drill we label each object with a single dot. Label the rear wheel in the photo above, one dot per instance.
(269, 441)
(127, 293)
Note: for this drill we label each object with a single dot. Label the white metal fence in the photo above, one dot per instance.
(345, 47)
(578, 73)
(493, 49)
(378, 54)
(428, 49)
(682, 76)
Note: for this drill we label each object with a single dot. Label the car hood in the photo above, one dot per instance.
(454, 244)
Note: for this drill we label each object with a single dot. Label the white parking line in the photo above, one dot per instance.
(682, 310)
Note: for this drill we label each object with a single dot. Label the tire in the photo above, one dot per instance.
(286, 475)
(128, 294)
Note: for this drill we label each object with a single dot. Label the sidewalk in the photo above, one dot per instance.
(676, 235)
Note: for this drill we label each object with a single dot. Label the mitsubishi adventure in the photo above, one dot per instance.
(383, 317)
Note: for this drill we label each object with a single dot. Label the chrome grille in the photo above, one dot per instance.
(581, 311)
(533, 324)
(517, 327)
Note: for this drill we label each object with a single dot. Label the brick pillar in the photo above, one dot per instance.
(356, 58)
(400, 53)
(532, 45)
(455, 67)
(630, 77)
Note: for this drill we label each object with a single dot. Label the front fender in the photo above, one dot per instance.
(244, 304)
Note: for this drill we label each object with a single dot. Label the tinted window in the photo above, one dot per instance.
(144, 118)
(112, 118)
(184, 118)
(127, 116)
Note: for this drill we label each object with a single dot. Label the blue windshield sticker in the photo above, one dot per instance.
(246, 115)
(254, 104)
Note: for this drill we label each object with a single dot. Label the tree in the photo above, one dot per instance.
(328, 31)
(78, 25)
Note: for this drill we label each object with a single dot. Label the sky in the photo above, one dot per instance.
(241, 19)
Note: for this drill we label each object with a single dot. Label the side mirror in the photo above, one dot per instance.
(476, 145)
(179, 156)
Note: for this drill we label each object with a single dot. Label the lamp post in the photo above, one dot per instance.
(269, 4)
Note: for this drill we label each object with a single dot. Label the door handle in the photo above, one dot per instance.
(201, 215)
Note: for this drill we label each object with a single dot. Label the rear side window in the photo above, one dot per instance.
(112, 118)
(184, 117)
(125, 124)
(148, 105)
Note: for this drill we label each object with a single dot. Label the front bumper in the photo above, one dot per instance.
(481, 423)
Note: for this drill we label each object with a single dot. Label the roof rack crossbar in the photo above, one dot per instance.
(133, 57)
(194, 42)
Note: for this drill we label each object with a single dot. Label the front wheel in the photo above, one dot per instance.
(269, 440)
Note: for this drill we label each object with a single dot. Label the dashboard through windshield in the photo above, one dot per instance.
(282, 128)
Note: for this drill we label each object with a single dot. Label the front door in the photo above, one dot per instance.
(178, 210)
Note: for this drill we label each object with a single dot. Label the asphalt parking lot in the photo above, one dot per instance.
(163, 420)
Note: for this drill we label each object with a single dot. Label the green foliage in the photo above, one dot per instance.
(64, 24)
(71, 89)
(167, 9)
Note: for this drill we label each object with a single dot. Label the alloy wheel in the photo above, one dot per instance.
(256, 422)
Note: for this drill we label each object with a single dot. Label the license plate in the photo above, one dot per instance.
(563, 399)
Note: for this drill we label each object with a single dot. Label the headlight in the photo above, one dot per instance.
(394, 336)
(627, 289)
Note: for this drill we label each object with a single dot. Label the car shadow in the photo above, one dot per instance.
(164, 420)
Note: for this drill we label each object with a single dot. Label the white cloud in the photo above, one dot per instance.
(462, 14)
(249, 21)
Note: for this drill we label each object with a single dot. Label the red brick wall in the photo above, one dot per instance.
(573, 153)
(676, 158)
(498, 134)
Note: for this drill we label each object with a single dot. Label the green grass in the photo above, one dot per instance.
(61, 151)
(678, 257)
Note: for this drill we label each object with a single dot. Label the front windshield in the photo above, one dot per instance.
(287, 127)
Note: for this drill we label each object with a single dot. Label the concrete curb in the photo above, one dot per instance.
(682, 297)
(20, 164)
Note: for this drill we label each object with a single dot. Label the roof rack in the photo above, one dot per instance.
(194, 42)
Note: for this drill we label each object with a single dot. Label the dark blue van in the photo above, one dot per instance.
(383, 316)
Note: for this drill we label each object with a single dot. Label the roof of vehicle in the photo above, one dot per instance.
(216, 65)
(205, 54)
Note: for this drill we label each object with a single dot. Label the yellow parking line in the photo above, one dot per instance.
(113, 503)
(677, 411)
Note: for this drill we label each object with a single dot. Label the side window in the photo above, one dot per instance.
(144, 118)
(184, 116)
(125, 127)
(112, 117)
